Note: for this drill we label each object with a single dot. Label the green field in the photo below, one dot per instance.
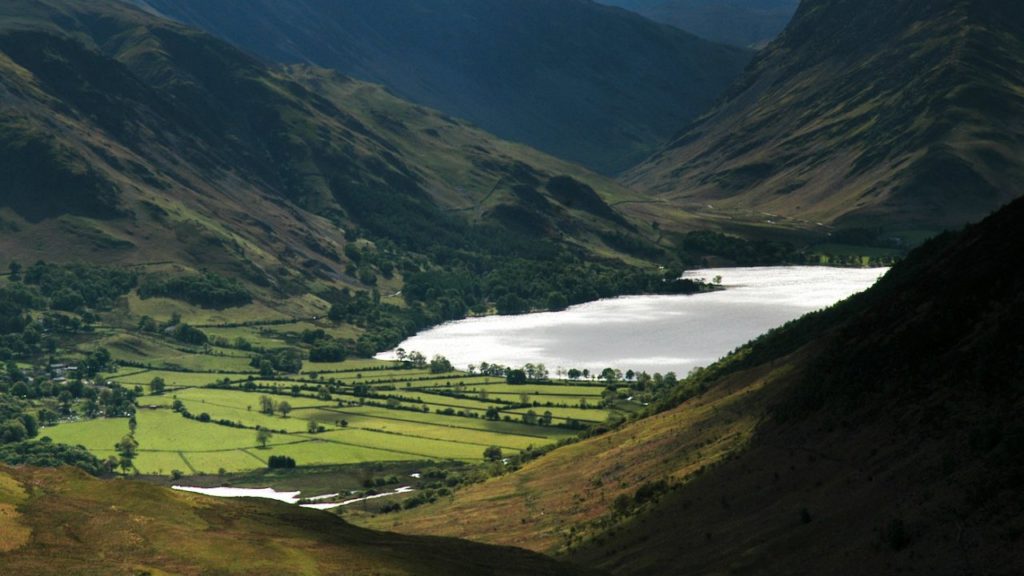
(359, 410)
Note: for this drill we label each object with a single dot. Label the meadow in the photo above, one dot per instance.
(338, 413)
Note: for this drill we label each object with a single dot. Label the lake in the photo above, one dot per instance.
(650, 333)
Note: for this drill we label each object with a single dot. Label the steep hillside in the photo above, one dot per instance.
(584, 82)
(905, 115)
(880, 436)
(736, 22)
(61, 521)
(131, 139)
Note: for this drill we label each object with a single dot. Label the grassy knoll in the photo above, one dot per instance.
(70, 523)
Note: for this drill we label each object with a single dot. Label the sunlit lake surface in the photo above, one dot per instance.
(652, 333)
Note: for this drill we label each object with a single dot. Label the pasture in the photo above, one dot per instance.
(329, 413)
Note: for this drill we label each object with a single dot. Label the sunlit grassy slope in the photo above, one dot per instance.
(62, 522)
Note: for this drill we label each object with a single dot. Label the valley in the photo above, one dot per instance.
(486, 287)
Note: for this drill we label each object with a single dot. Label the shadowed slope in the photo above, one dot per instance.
(584, 82)
(903, 114)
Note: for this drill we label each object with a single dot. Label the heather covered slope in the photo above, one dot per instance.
(904, 115)
(129, 139)
(896, 446)
(880, 436)
(585, 82)
(61, 521)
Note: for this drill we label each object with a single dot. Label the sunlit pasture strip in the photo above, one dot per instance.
(590, 416)
(537, 389)
(354, 413)
(479, 438)
(421, 447)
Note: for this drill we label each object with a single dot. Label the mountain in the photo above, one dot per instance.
(880, 436)
(737, 22)
(897, 115)
(62, 521)
(130, 139)
(584, 82)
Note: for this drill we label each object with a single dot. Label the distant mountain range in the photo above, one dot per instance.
(584, 82)
(898, 115)
(751, 23)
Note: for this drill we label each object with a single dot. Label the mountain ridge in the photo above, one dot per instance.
(751, 23)
(915, 126)
(604, 91)
(142, 141)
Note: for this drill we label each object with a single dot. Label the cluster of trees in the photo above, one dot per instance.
(15, 423)
(45, 453)
(326, 348)
(268, 406)
(517, 286)
(77, 287)
(21, 417)
(286, 360)
(280, 462)
(65, 294)
(112, 400)
(208, 290)
(694, 247)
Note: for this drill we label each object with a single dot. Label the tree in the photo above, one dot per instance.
(530, 417)
(284, 408)
(266, 405)
(263, 436)
(416, 359)
(127, 448)
(440, 365)
(266, 369)
(157, 386)
(312, 427)
(492, 453)
(557, 301)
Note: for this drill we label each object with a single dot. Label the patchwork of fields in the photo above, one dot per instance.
(337, 413)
